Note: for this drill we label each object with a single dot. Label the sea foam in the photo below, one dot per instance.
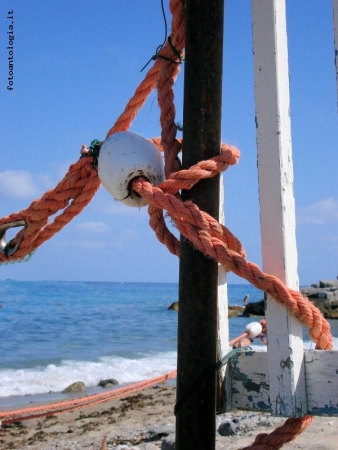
(55, 378)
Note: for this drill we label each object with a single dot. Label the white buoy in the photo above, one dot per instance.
(253, 329)
(125, 156)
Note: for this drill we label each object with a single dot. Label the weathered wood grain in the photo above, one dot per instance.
(277, 204)
(250, 382)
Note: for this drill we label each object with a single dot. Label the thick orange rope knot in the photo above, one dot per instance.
(216, 241)
(188, 214)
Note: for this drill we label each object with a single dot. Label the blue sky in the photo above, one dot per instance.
(77, 63)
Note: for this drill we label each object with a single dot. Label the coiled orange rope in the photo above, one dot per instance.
(81, 182)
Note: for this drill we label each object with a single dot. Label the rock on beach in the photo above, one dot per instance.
(78, 386)
(323, 294)
(108, 383)
(146, 421)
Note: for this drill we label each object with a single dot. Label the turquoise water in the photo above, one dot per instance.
(55, 333)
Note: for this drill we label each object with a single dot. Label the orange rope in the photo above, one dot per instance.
(71, 195)
(194, 225)
(185, 179)
(281, 435)
(81, 182)
(73, 405)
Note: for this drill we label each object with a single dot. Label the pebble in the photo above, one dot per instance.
(229, 424)
(125, 447)
(169, 428)
(227, 429)
(168, 442)
(151, 447)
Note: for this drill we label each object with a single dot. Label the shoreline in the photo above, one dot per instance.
(13, 402)
(30, 400)
(146, 421)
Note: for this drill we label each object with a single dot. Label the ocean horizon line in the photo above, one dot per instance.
(105, 281)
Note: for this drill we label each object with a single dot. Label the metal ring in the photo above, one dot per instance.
(5, 247)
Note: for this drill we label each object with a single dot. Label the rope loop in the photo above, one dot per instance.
(9, 248)
(179, 58)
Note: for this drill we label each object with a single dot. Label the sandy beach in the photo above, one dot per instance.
(146, 421)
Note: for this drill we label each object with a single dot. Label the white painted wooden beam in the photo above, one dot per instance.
(223, 323)
(250, 382)
(277, 206)
(321, 368)
(335, 26)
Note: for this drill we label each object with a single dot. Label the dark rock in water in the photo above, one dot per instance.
(78, 386)
(325, 296)
(254, 309)
(174, 306)
(107, 383)
(235, 311)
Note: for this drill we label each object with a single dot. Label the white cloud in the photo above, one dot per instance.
(324, 211)
(18, 184)
(97, 227)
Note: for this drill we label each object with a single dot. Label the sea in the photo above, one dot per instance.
(54, 333)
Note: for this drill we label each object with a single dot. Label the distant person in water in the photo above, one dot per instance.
(245, 300)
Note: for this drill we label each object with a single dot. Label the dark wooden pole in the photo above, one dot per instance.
(197, 322)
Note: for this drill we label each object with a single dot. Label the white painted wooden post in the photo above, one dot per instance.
(277, 208)
(335, 25)
(223, 323)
